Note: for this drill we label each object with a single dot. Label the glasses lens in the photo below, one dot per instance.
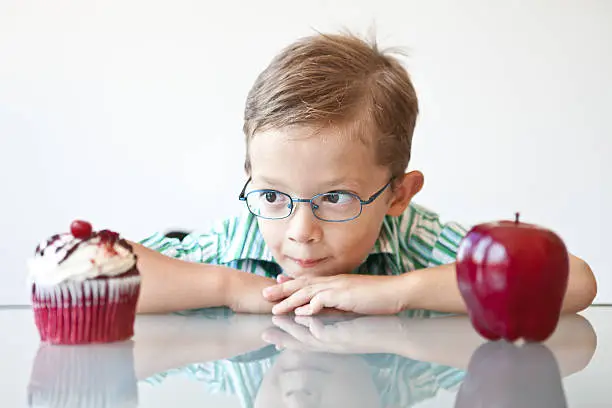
(336, 206)
(269, 203)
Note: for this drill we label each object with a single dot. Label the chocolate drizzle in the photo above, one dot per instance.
(41, 251)
(70, 251)
(107, 238)
(125, 245)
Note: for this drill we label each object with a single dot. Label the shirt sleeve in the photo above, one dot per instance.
(195, 247)
(240, 376)
(447, 243)
(429, 240)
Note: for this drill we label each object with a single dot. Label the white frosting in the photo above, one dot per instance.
(92, 293)
(88, 261)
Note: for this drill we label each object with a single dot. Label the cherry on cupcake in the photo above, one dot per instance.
(81, 229)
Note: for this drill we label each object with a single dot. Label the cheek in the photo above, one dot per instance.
(272, 232)
(354, 238)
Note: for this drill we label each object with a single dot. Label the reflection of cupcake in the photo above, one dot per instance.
(85, 286)
(94, 376)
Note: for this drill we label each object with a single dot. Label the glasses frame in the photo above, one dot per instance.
(313, 206)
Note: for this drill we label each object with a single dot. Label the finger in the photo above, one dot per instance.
(281, 339)
(282, 320)
(324, 319)
(297, 299)
(316, 325)
(283, 278)
(298, 332)
(320, 300)
(317, 328)
(306, 310)
(304, 320)
(283, 290)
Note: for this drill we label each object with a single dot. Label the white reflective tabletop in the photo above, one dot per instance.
(220, 359)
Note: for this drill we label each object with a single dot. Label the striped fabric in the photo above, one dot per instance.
(400, 381)
(417, 239)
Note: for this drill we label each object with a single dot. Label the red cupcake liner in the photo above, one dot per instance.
(99, 310)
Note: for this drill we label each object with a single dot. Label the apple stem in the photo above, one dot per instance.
(516, 219)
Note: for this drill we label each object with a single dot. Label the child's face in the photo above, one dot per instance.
(307, 379)
(302, 164)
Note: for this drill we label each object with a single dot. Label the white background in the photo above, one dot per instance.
(128, 113)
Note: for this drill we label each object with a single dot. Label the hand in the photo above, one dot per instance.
(335, 335)
(244, 293)
(351, 293)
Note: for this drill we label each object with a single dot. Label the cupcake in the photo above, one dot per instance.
(94, 376)
(85, 286)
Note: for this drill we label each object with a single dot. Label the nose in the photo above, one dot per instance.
(304, 227)
(300, 399)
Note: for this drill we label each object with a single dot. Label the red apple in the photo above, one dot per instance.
(513, 277)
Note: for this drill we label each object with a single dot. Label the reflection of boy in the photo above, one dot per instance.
(267, 378)
(403, 357)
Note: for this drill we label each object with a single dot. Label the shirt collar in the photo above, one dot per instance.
(244, 241)
(389, 238)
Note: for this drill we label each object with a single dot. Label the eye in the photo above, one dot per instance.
(338, 198)
(271, 196)
(332, 198)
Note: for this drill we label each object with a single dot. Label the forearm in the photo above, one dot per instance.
(451, 341)
(448, 341)
(437, 289)
(154, 360)
(432, 289)
(170, 341)
(170, 285)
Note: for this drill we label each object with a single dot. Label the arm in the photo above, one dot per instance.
(573, 343)
(419, 287)
(432, 288)
(170, 285)
(168, 342)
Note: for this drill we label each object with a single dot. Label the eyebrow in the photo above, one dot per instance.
(350, 183)
(271, 181)
(328, 185)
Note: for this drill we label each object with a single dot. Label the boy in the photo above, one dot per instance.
(328, 127)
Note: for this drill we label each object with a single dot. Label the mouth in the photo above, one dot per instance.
(307, 263)
(302, 369)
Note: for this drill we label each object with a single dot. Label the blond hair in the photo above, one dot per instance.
(337, 80)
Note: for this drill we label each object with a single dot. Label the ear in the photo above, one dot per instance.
(406, 188)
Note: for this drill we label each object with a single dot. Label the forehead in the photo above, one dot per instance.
(309, 157)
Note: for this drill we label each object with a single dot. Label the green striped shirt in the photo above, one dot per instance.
(416, 239)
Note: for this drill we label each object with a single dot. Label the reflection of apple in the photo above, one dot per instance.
(513, 277)
(501, 374)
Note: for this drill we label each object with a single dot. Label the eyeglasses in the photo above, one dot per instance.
(335, 206)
